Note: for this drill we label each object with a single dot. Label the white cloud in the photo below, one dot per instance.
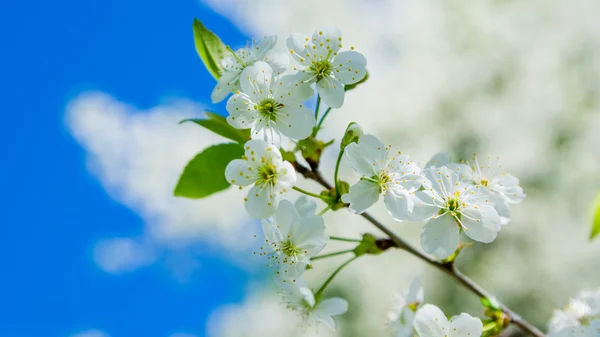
(90, 333)
(138, 156)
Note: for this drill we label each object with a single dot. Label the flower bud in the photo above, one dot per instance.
(352, 134)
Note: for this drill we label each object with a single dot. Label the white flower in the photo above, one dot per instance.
(234, 65)
(262, 166)
(430, 321)
(451, 204)
(395, 177)
(300, 298)
(293, 236)
(403, 314)
(320, 62)
(503, 187)
(271, 106)
(581, 317)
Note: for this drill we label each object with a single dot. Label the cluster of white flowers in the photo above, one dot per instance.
(410, 316)
(579, 318)
(451, 197)
(269, 100)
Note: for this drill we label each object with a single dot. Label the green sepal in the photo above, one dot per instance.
(368, 245)
(352, 86)
(312, 149)
(595, 218)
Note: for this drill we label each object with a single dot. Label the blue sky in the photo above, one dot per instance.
(52, 208)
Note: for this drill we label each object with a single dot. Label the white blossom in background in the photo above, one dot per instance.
(580, 317)
(395, 177)
(263, 167)
(430, 321)
(271, 106)
(503, 187)
(401, 317)
(322, 63)
(244, 57)
(292, 237)
(300, 298)
(451, 204)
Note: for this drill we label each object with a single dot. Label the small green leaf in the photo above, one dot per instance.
(368, 245)
(210, 48)
(205, 174)
(596, 218)
(218, 124)
(352, 86)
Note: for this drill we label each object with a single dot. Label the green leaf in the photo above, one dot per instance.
(210, 48)
(352, 86)
(205, 174)
(218, 124)
(596, 218)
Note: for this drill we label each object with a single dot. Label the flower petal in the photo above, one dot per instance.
(256, 80)
(261, 202)
(296, 121)
(300, 47)
(465, 325)
(332, 91)
(238, 172)
(399, 204)
(286, 176)
(291, 89)
(368, 156)
(362, 195)
(482, 224)
(502, 208)
(262, 47)
(439, 159)
(305, 206)
(349, 67)
(241, 112)
(430, 321)
(309, 234)
(439, 236)
(225, 85)
(258, 151)
(424, 206)
(415, 292)
(332, 306)
(285, 216)
(327, 41)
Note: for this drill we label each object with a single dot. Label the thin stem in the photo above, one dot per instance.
(322, 120)
(317, 107)
(322, 289)
(448, 268)
(324, 210)
(335, 174)
(337, 238)
(489, 326)
(324, 256)
(311, 194)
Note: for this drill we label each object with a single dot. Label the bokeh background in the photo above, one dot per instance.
(95, 245)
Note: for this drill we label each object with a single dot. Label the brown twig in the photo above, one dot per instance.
(448, 268)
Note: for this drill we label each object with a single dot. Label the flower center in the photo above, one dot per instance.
(453, 205)
(267, 174)
(485, 182)
(268, 108)
(322, 68)
(289, 249)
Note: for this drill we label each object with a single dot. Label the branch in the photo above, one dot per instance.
(448, 268)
